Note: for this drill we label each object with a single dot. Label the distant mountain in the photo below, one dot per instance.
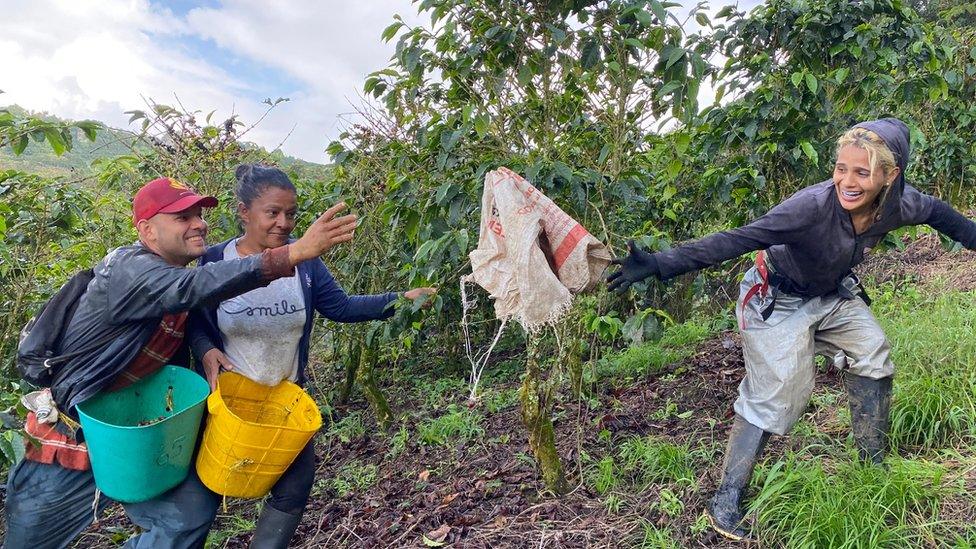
(110, 143)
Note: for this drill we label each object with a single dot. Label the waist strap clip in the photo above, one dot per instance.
(766, 293)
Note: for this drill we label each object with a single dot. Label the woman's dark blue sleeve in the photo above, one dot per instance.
(332, 302)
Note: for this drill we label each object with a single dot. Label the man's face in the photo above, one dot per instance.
(179, 238)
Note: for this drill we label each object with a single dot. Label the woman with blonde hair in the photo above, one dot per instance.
(802, 298)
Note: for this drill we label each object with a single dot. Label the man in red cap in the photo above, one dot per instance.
(135, 311)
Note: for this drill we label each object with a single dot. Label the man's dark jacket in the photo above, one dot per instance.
(133, 288)
(810, 237)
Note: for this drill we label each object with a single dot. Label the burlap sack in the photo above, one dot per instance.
(531, 256)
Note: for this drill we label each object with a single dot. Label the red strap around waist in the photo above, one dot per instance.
(762, 288)
(50, 446)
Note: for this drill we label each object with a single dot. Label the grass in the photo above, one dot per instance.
(640, 462)
(803, 504)
(654, 537)
(647, 359)
(348, 428)
(934, 351)
(232, 526)
(457, 426)
(931, 411)
(646, 460)
(353, 477)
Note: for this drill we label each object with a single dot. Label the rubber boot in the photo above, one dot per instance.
(275, 529)
(870, 401)
(746, 443)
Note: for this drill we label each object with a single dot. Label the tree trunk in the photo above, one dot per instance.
(536, 395)
(351, 363)
(384, 416)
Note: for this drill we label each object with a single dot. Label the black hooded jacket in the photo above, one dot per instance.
(810, 237)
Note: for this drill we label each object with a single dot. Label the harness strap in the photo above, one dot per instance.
(761, 288)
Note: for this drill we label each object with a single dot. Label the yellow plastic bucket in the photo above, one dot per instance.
(253, 434)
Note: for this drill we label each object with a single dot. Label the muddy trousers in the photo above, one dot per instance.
(779, 351)
(48, 506)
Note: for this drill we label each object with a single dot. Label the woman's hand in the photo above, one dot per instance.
(213, 361)
(324, 233)
(416, 293)
(637, 266)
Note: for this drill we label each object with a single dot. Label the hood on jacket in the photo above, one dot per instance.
(896, 136)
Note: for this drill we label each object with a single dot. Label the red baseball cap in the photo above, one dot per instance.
(165, 195)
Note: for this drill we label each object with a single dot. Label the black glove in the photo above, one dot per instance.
(637, 266)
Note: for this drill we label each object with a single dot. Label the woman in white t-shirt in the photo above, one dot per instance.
(264, 334)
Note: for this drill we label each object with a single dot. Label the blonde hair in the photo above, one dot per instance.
(879, 155)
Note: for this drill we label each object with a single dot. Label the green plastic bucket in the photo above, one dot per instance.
(141, 438)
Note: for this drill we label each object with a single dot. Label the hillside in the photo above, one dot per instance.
(109, 144)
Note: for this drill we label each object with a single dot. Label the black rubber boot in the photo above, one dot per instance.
(275, 529)
(746, 443)
(870, 401)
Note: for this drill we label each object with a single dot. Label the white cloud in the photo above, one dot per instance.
(97, 59)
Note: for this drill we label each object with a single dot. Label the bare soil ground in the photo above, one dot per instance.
(487, 492)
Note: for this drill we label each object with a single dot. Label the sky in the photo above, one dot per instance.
(96, 59)
(82, 59)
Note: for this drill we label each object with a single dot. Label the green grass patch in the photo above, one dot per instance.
(443, 391)
(646, 359)
(646, 460)
(497, 400)
(353, 477)
(933, 340)
(458, 425)
(348, 428)
(650, 536)
(802, 504)
(227, 527)
(641, 461)
(932, 411)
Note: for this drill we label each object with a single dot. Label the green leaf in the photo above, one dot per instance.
(55, 140)
(481, 124)
(725, 12)
(644, 18)
(796, 78)
(702, 19)
(90, 128)
(411, 58)
(668, 193)
(563, 171)
(681, 142)
(558, 34)
(135, 115)
(841, 74)
(811, 82)
(424, 250)
(810, 152)
(20, 145)
(450, 138)
(673, 57)
(590, 54)
(390, 31)
(659, 11)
